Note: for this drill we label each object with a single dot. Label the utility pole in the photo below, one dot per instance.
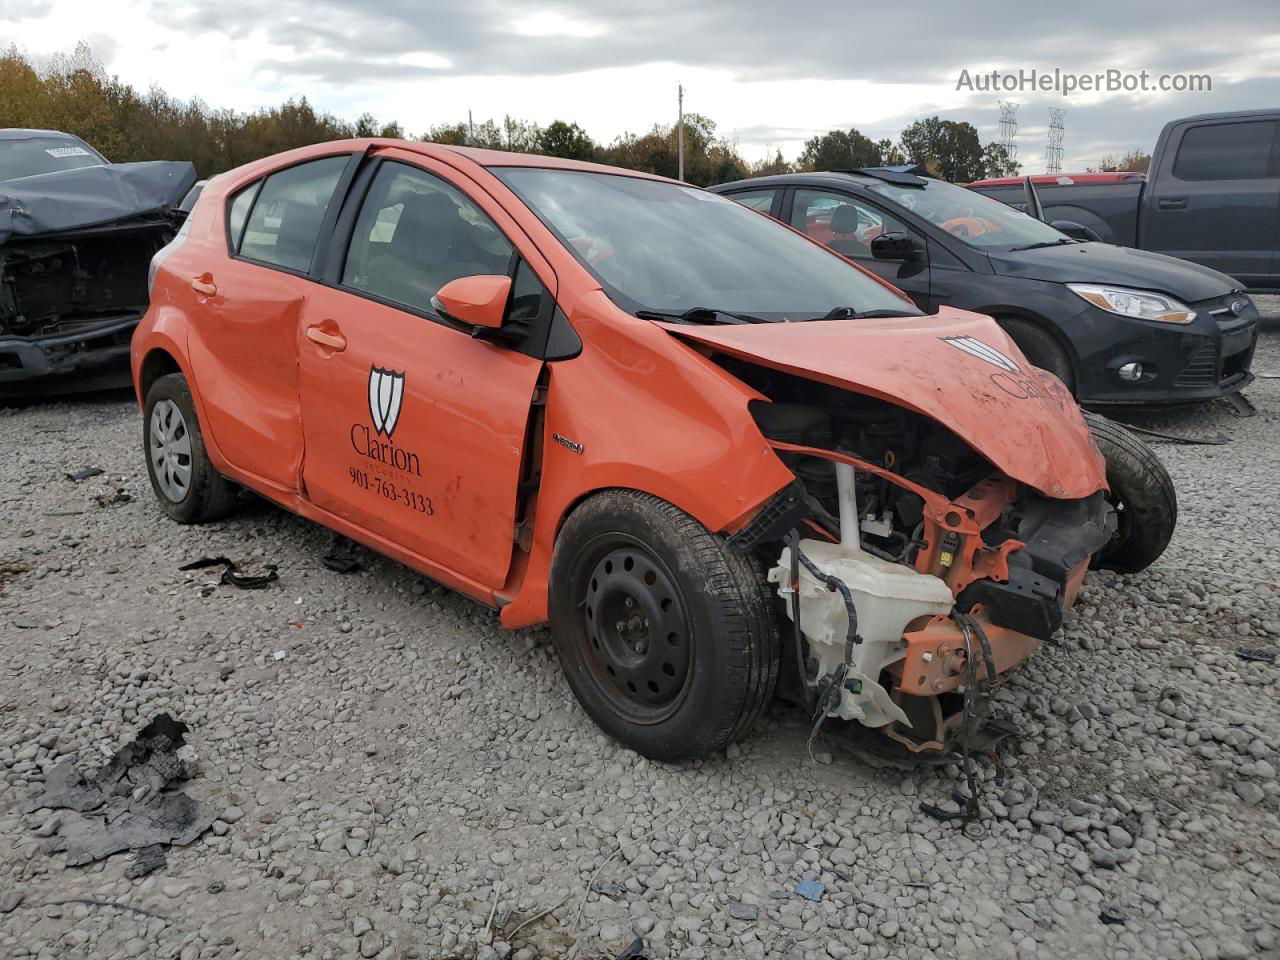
(680, 131)
(471, 130)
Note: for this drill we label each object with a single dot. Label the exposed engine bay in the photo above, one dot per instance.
(913, 567)
(58, 284)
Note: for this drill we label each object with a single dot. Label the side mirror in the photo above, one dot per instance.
(893, 246)
(480, 301)
(1077, 231)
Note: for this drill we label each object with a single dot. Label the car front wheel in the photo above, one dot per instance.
(665, 634)
(189, 489)
(1142, 493)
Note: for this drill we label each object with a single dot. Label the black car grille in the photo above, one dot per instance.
(1201, 370)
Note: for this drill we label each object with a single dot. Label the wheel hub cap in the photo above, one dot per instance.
(170, 450)
(636, 629)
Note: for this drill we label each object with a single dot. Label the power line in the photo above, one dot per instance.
(1053, 150)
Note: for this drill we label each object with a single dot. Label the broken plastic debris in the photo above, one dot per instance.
(124, 805)
(635, 951)
(111, 499)
(341, 564)
(230, 574)
(810, 890)
(147, 860)
(278, 655)
(1112, 915)
(607, 888)
(84, 473)
(1257, 656)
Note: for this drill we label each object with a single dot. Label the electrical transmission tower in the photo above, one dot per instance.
(1053, 150)
(1009, 129)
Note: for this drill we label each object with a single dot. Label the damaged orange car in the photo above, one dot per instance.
(699, 444)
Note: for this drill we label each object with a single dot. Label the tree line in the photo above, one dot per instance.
(74, 93)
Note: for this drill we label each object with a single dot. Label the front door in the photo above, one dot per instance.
(413, 429)
(848, 224)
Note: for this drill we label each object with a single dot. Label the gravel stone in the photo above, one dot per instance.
(406, 758)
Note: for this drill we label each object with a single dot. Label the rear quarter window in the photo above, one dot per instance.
(284, 219)
(1226, 151)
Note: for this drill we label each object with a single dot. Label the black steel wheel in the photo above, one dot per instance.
(638, 631)
(664, 633)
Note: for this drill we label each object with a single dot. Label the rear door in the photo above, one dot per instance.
(243, 335)
(1216, 198)
(847, 224)
(414, 429)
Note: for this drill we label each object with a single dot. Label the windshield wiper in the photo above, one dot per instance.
(1044, 243)
(850, 313)
(700, 315)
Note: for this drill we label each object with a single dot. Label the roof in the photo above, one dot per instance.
(19, 133)
(1062, 179)
(503, 158)
(1230, 115)
(817, 178)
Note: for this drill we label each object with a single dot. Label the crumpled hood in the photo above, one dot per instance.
(1122, 266)
(91, 196)
(956, 367)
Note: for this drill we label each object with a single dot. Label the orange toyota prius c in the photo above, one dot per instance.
(702, 446)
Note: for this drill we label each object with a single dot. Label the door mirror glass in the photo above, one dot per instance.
(893, 246)
(480, 300)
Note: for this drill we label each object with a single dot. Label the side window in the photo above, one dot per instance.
(415, 233)
(239, 213)
(761, 200)
(841, 222)
(284, 223)
(1226, 151)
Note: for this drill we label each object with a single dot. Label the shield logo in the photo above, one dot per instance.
(386, 390)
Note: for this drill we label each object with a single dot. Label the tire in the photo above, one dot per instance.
(1040, 347)
(665, 634)
(1143, 494)
(183, 479)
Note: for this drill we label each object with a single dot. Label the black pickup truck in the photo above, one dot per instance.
(1211, 196)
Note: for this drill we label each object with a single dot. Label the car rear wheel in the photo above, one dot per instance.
(189, 489)
(664, 633)
(1041, 348)
(1142, 493)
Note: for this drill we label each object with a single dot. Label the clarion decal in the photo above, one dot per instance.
(369, 446)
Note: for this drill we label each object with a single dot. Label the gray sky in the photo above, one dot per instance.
(770, 74)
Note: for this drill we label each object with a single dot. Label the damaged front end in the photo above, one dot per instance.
(73, 285)
(910, 567)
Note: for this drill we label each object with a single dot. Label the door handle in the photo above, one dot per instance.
(1171, 203)
(204, 285)
(334, 341)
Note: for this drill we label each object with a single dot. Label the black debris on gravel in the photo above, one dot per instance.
(125, 804)
(341, 564)
(84, 473)
(1257, 656)
(231, 575)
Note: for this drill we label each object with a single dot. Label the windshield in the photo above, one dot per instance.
(976, 219)
(669, 248)
(28, 157)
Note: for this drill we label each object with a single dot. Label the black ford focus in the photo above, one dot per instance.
(1117, 325)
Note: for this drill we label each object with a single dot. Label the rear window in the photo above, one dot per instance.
(1226, 151)
(284, 219)
(28, 157)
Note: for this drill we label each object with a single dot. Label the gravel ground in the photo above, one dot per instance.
(401, 778)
